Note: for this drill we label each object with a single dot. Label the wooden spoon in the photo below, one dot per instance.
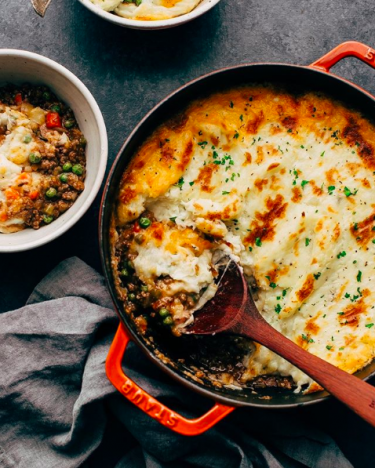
(40, 6)
(233, 310)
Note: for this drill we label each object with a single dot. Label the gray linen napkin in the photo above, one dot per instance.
(55, 399)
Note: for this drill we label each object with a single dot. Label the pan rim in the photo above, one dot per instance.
(194, 386)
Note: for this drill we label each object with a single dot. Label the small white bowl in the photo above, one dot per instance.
(18, 67)
(202, 8)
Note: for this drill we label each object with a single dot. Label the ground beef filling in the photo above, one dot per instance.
(147, 304)
(63, 165)
(218, 359)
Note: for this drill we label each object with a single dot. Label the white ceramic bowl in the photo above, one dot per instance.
(202, 8)
(17, 67)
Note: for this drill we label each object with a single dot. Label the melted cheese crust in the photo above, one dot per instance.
(285, 185)
(148, 10)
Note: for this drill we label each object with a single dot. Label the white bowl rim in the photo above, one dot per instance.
(158, 24)
(103, 156)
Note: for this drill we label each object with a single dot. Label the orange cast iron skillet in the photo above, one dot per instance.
(313, 77)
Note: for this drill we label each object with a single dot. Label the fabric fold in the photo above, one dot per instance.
(55, 399)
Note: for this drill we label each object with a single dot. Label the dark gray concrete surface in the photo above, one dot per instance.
(129, 71)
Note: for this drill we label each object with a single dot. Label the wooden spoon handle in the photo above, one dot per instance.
(354, 392)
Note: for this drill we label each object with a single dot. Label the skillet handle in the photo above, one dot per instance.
(148, 404)
(346, 49)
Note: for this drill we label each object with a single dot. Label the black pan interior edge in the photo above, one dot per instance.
(292, 78)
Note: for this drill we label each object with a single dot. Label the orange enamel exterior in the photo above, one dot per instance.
(115, 373)
(150, 405)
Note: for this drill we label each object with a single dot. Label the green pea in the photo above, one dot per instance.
(67, 167)
(124, 272)
(63, 178)
(168, 321)
(82, 141)
(47, 219)
(34, 158)
(69, 123)
(131, 297)
(77, 169)
(163, 312)
(144, 223)
(27, 139)
(144, 288)
(46, 96)
(56, 108)
(51, 192)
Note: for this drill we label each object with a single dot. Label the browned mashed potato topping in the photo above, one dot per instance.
(282, 183)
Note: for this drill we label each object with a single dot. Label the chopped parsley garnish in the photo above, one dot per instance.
(307, 241)
(369, 325)
(331, 188)
(304, 182)
(173, 219)
(355, 226)
(306, 338)
(284, 292)
(250, 249)
(341, 349)
(348, 192)
(225, 193)
(355, 296)
(231, 105)
(329, 347)
(241, 118)
(273, 285)
(359, 276)
(317, 275)
(203, 144)
(236, 135)
(258, 242)
(278, 308)
(322, 154)
(191, 183)
(340, 313)
(180, 183)
(341, 254)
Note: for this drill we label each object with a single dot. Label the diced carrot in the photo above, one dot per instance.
(34, 195)
(136, 227)
(53, 120)
(11, 194)
(23, 176)
(18, 99)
